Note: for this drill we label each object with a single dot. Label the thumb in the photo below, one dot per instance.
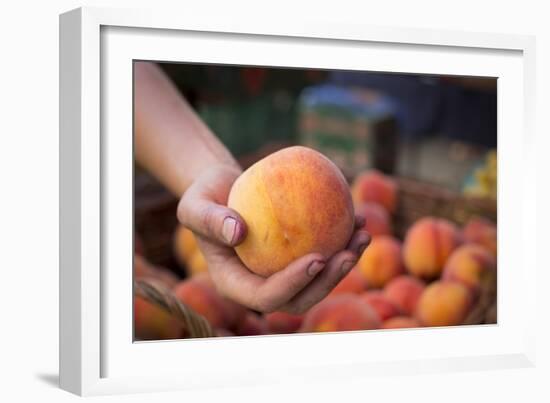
(211, 220)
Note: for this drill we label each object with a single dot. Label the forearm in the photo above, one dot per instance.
(171, 141)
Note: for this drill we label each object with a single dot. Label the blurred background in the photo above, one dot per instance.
(433, 137)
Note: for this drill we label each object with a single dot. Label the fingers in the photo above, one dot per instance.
(360, 221)
(211, 220)
(282, 286)
(265, 295)
(337, 268)
(359, 242)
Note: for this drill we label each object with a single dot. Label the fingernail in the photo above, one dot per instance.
(315, 267)
(229, 229)
(347, 266)
(362, 248)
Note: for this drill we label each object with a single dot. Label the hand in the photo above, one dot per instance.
(295, 289)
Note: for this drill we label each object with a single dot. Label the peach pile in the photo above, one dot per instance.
(375, 187)
(282, 322)
(404, 291)
(472, 265)
(381, 261)
(400, 322)
(339, 313)
(187, 252)
(353, 283)
(481, 231)
(377, 219)
(383, 306)
(428, 244)
(295, 202)
(153, 323)
(443, 303)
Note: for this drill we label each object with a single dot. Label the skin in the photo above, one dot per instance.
(174, 144)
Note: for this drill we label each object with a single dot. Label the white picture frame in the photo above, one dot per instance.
(97, 356)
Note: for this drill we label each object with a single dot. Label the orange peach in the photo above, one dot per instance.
(339, 313)
(282, 322)
(295, 201)
(404, 291)
(443, 303)
(400, 322)
(252, 325)
(185, 244)
(381, 304)
(472, 265)
(196, 263)
(353, 283)
(375, 187)
(154, 323)
(203, 299)
(377, 219)
(381, 261)
(481, 231)
(428, 244)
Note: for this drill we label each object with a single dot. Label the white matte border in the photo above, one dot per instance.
(280, 358)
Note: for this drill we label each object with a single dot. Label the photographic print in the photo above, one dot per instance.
(271, 200)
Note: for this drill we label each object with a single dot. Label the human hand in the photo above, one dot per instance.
(294, 289)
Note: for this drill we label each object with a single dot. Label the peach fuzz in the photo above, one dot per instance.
(185, 244)
(153, 323)
(472, 265)
(404, 291)
(294, 202)
(373, 186)
(204, 300)
(339, 313)
(381, 261)
(377, 219)
(381, 304)
(282, 322)
(400, 322)
(443, 303)
(353, 283)
(428, 243)
(481, 231)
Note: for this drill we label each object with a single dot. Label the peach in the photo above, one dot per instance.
(378, 221)
(151, 322)
(472, 265)
(428, 243)
(353, 283)
(185, 244)
(481, 231)
(443, 303)
(295, 201)
(373, 186)
(252, 325)
(381, 261)
(404, 291)
(282, 322)
(339, 313)
(400, 322)
(204, 300)
(381, 304)
(196, 263)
